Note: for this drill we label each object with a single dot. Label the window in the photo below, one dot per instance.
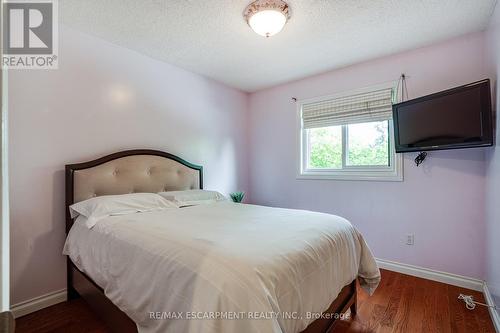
(349, 137)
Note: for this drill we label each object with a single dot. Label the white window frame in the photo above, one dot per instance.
(393, 172)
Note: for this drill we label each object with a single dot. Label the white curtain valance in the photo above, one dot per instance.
(364, 107)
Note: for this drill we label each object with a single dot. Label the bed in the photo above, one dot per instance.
(270, 278)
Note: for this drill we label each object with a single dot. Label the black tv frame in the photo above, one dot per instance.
(487, 120)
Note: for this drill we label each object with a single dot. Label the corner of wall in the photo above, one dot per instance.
(492, 63)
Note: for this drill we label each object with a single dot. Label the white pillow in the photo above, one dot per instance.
(192, 197)
(98, 208)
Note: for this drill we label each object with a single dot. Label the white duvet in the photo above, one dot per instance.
(223, 267)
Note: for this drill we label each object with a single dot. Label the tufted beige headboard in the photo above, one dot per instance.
(128, 172)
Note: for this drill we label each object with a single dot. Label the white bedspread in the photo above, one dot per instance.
(261, 269)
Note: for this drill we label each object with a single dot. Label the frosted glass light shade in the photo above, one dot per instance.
(267, 22)
(267, 17)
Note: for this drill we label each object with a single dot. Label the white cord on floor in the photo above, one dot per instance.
(470, 303)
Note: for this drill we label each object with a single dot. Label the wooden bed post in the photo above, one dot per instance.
(354, 305)
(71, 292)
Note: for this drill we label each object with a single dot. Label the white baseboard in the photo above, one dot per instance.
(430, 274)
(495, 317)
(38, 303)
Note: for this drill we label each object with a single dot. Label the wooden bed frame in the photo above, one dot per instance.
(80, 285)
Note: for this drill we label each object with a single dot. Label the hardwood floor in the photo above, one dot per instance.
(402, 303)
(68, 317)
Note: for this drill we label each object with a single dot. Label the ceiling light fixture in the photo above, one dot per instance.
(267, 17)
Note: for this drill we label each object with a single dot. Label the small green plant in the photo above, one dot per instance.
(237, 196)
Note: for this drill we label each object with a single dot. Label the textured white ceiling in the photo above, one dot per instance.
(210, 37)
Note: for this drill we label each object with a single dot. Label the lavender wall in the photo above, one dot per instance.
(493, 170)
(102, 99)
(441, 202)
(106, 98)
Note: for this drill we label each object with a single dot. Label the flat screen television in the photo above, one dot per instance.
(455, 118)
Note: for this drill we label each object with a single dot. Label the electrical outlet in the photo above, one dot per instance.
(410, 239)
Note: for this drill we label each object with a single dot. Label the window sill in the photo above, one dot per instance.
(353, 175)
